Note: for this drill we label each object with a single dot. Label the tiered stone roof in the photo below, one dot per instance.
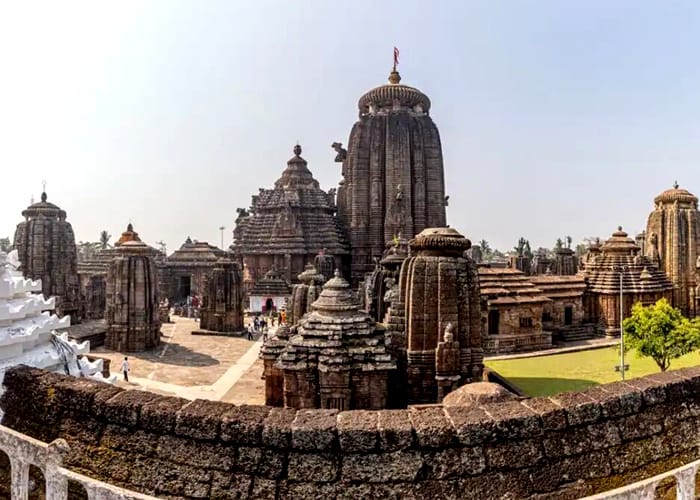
(197, 253)
(272, 285)
(336, 335)
(560, 287)
(639, 273)
(505, 286)
(294, 217)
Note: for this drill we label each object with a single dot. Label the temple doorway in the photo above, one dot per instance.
(269, 305)
(568, 315)
(185, 287)
(494, 318)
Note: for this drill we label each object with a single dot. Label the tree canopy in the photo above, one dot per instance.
(661, 332)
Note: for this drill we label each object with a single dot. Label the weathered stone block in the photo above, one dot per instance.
(472, 426)
(617, 399)
(160, 414)
(200, 419)
(455, 462)
(632, 455)
(263, 489)
(383, 467)
(580, 408)
(514, 455)
(314, 430)
(273, 464)
(196, 454)
(137, 442)
(513, 420)
(277, 427)
(230, 486)
(433, 429)
(653, 391)
(124, 408)
(552, 415)
(358, 431)
(248, 459)
(312, 467)
(581, 440)
(643, 424)
(244, 424)
(395, 430)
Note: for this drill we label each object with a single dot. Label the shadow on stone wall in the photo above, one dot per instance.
(564, 446)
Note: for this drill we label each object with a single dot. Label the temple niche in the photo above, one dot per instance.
(287, 226)
(269, 294)
(46, 247)
(642, 281)
(381, 286)
(133, 324)
(438, 294)
(337, 358)
(393, 176)
(672, 240)
(222, 298)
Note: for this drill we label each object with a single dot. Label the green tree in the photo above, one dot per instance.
(660, 332)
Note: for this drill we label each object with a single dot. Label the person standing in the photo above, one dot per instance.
(125, 369)
(250, 333)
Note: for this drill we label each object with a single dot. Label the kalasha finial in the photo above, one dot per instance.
(297, 150)
(675, 184)
(336, 273)
(619, 228)
(394, 77)
(129, 227)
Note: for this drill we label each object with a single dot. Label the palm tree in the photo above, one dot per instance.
(104, 239)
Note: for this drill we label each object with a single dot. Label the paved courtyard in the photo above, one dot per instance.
(195, 366)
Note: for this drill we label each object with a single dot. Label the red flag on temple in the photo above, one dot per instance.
(396, 57)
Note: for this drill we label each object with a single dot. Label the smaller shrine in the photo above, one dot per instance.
(381, 286)
(132, 310)
(186, 270)
(337, 359)
(305, 293)
(270, 294)
(619, 262)
(45, 244)
(222, 301)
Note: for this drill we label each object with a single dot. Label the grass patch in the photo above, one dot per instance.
(576, 371)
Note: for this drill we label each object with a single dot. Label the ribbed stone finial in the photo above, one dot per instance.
(297, 150)
(675, 184)
(130, 227)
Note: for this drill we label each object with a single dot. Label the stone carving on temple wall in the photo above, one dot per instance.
(447, 363)
(342, 153)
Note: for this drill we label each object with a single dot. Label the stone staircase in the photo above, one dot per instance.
(575, 333)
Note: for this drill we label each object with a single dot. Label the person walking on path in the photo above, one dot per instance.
(125, 369)
(250, 334)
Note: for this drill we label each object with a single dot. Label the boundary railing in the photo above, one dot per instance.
(25, 451)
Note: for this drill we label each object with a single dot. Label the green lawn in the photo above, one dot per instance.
(547, 375)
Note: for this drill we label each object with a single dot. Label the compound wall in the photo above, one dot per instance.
(560, 447)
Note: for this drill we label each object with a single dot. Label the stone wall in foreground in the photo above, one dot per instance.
(560, 447)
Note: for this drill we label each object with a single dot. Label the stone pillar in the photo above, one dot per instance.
(222, 309)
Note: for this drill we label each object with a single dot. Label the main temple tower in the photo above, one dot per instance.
(673, 240)
(393, 182)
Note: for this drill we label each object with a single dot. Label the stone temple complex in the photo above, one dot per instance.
(288, 225)
(337, 358)
(393, 176)
(46, 246)
(133, 323)
(186, 270)
(673, 241)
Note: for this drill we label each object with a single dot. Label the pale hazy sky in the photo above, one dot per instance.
(556, 117)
